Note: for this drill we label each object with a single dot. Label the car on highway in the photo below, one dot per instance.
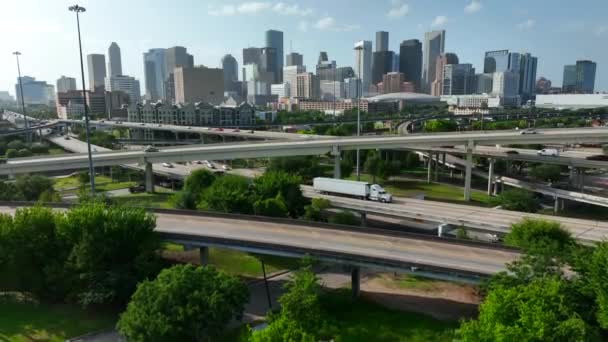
(226, 167)
(150, 148)
(168, 165)
(236, 130)
(219, 129)
(209, 164)
(67, 137)
(548, 152)
(197, 162)
(137, 188)
(189, 127)
(251, 131)
(142, 124)
(512, 152)
(529, 131)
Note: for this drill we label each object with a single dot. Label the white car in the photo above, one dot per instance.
(210, 165)
(226, 167)
(550, 152)
(168, 165)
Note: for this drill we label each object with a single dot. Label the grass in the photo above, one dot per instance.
(408, 282)
(56, 151)
(114, 186)
(105, 183)
(22, 320)
(155, 200)
(362, 320)
(432, 191)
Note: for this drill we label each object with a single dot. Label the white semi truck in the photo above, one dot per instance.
(362, 190)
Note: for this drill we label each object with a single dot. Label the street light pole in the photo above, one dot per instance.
(27, 132)
(80, 9)
(359, 85)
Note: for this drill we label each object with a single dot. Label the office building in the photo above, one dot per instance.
(199, 114)
(199, 84)
(281, 90)
(35, 92)
(527, 76)
(352, 88)
(6, 97)
(274, 40)
(395, 67)
(175, 57)
(96, 64)
(114, 60)
(410, 61)
(394, 82)
(294, 58)
(585, 77)
(484, 83)
(100, 103)
(471, 104)
(322, 58)
(331, 90)
(434, 45)
(290, 74)
(569, 80)
(155, 73)
(572, 101)
(543, 86)
(307, 86)
(231, 73)
(382, 64)
(126, 84)
(458, 79)
(501, 61)
(333, 73)
(363, 64)
(506, 85)
(252, 55)
(270, 62)
(65, 84)
(442, 60)
(381, 41)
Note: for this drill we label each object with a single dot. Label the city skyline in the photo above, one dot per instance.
(307, 26)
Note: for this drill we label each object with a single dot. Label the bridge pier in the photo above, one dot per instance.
(556, 205)
(337, 169)
(491, 176)
(467, 177)
(203, 254)
(355, 281)
(363, 219)
(149, 178)
(429, 167)
(436, 166)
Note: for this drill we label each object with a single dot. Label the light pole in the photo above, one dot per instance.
(27, 132)
(80, 9)
(359, 83)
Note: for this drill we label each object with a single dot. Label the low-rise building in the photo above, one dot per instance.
(572, 101)
(281, 90)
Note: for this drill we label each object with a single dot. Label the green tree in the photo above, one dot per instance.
(113, 249)
(598, 278)
(392, 168)
(374, 165)
(540, 236)
(39, 148)
(184, 303)
(228, 194)
(198, 181)
(546, 172)
(346, 168)
(273, 207)
(345, 218)
(279, 183)
(84, 178)
(518, 200)
(542, 310)
(10, 192)
(439, 125)
(412, 160)
(16, 145)
(306, 167)
(24, 152)
(185, 199)
(11, 153)
(33, 186)
(314, 211)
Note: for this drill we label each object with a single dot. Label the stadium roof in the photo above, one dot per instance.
(415, 98)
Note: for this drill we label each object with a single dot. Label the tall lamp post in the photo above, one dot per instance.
(27, 132)
(78, 10)
(359, 85)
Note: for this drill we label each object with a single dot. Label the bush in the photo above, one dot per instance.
(546, 172)
(16, 145)
(33, 186)
(184, 303)
(24, 152)
(534, 235)
(228, 194)
(346, 218)
(518, 200)
(273, 207)
(11, 153)
(279, 183)
(314, 211)
(39, 148)
(184, 199)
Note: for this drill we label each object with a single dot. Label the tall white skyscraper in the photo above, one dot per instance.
(65, 84)
(363, 64)
(155, 73)
(114, 60)
(290, 74)
(434, 45)
(126, 84)
(96, 64)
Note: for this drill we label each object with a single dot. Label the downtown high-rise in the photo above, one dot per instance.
(410, 61)
(274, 40)
(363, 64)
(434, 45)
(114, 60)
(96, 64)
(155, 73)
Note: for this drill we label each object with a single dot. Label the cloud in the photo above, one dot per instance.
(601, 30)
(303, 26)
(439, 21)
(526, 25)
(329, 24)
(256, 7)
(473, 7)
(400, 10)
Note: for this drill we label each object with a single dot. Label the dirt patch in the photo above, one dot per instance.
(439, 299)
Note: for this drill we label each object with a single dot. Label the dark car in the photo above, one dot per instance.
(137, 188)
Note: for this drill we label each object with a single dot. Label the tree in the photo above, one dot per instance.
(539, 311)
(84, 178)
(438, 125)
(374, 165)
(546, 172)
(346, 168)
(279, 183)
(391, 168)
(198, 181)
(306, 167)
(273, 207)
(10, 192)
(11, 153)
(518, 200)
(345, 218)
(185, 199)
(412, 160)
(228, 194)
(113, 249)
(540, 236)
(39, 148)
(598, 278)
(16, 145)
(314, 211)
(184, 303)
(33, 186)
(24, 152)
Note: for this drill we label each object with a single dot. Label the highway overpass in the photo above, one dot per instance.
(355, 246)
(478, 218)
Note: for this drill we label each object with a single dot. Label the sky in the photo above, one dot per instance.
(558, 32)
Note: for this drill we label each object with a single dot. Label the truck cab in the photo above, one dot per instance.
(377, 193)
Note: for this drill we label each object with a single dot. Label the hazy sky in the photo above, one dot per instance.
(557, 31)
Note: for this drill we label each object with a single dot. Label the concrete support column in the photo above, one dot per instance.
(203, 254)
(572, 176)
(176, 136)
(149, 178)
(429, 167)
(581, 179)
(436, 167)
(556, 205)
(491, 176)
(363, 219)
(443, 160)
(467, 177)
(497, 184)
(355, 280)
(337, 170)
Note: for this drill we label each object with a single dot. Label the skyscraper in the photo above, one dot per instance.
(270, 62)
(290, 74)
(155, 73)
(126, 84)
(585, 77)
(96, 64)
(274, 39)
(527, 76)
(382, 64)
(363, 64)
(231, 69)
(114, 60)
(252, 55)
(381, 41)
(35, 92)
(65, 84)
(434, 45)
(458, 79)
(175, 57)
(569, 83)
(410, 61)
(442, 60)
(322, 57)
(294, 58)
(199, 84)
(500, 61)
(506, 84)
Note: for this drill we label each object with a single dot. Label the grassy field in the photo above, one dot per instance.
(155, 200)
(408, 282)
(362, 320)
(104, 183)
(28, 321)
(433, 191)
(56, 151)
